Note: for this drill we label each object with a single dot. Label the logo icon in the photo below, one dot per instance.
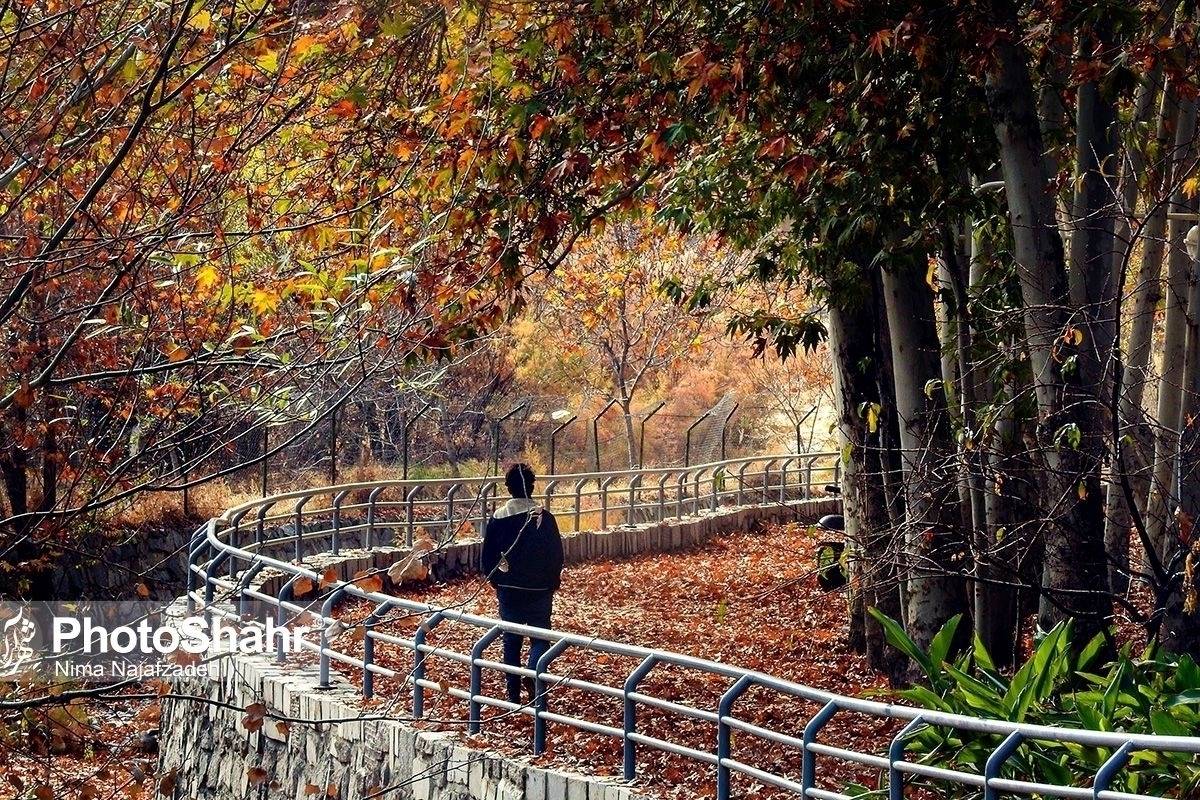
(15, 652)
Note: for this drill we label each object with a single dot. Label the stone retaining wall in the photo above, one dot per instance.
(331, 748)
(329, 743)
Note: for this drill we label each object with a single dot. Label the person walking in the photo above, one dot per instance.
(523, 560)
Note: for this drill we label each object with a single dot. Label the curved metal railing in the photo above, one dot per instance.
(277, 533)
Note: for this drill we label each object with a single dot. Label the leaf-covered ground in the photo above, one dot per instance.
(749, 600)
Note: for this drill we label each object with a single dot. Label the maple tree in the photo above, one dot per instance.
(605, 303)
(851, 148)
(211, 227)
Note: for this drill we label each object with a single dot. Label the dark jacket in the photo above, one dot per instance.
(526, 535)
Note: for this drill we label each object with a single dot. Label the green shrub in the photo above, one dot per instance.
(1060, 685)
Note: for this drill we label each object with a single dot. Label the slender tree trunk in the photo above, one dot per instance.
(934, 548)
(1069, 443)
(1170, 399)
(1093, 288)
(873, 566)
(1136, 442)
(1181, 628)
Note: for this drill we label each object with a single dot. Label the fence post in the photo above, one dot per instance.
(554, 436)
(266, 441)
(496, 436)
(405, 424)
(687, 446)
(596, 431)
(724, 427)
(641, 454)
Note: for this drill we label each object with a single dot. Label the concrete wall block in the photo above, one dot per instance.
(577, 789)
(556, 785)
(535, 785)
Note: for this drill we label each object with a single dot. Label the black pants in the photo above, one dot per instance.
(524, 607)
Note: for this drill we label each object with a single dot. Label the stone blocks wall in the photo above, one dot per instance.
(326, 740)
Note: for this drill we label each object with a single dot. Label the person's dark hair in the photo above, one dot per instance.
(519, 480)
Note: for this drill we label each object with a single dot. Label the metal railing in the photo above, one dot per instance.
(231, 551)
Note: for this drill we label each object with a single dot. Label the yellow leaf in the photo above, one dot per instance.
(200, 21)
(207, 277)
(1191, 187)
(263, 302)
(269, 61)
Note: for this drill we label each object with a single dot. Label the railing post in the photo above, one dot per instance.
(244, 583)
(662, 496)
(419, 662)
(285, 594)
(451, 528)
(724, 734)
(991, 768)
(607, 482)
(680, 493)
(1109, 769)
(473, 707)
(766, 496)
(635, 483)
(369, 649)
(699, 476)
(741, 491)
(629, 751)
(539, 694)
(326, 615)
(410, 500)
(896, 779)
(199, 544)
(372, 499)
(579, 502)
(235, 537)
(298, 512)
(808, 762)
(260, 534)
(334, 540)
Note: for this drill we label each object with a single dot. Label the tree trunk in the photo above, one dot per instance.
(934, 547)
(854, 351)
(1068, 440)
(1135, 450)
(1093, 287)
(1181, 628)
(1170, 399)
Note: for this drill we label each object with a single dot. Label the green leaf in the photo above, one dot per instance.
(1191, 696)
(894, 633)
(1164, 724)
(939, 648)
